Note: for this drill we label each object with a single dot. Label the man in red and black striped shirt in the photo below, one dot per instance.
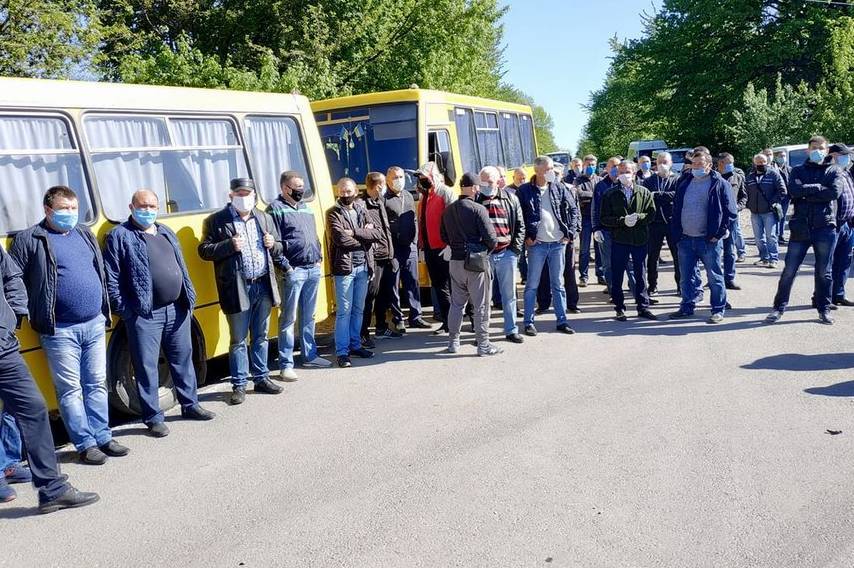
(505, 213)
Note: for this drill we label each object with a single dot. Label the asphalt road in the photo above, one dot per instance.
(634, 445)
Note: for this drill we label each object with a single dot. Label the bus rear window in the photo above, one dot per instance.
(36, 153)
(509, 127)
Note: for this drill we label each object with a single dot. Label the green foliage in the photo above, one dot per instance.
(543, 122)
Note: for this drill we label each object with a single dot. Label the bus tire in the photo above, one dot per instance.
(123, 392)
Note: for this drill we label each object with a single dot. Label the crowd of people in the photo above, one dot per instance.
(57, 276)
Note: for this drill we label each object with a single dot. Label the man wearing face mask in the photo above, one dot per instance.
(765, 192)
(575, 169)
(662, 185)
(68, 307)
(584, 186)
(703, 210)
(782, 164)
(550, 221)
(243, 244)
(437, 253)
(149, 287)
(839, 175)
(814, 195)
(300, 268)
(726, 167)
(627, 210)
(601, 233)
(505, 213)
(644, 169)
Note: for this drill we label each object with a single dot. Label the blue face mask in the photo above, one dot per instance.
(144, 217)
(817, 156)
(698, 173)
(64, 220)
(614, 172)
(590, 170)
(487, 190)
(729, 168)
(645, 166)
(843, 160)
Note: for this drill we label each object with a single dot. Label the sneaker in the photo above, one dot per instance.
(774, 316)
(368, 343)
(289, 375)
(362, 352)
(514, 338)
(344, 361)
(646, 314)
(158, 430)
(441, 330)
(582, 283)
(621, 316)
(196, 412)
(653, 292)
(531, 330)
(71, 499)
(388, 334)
(266, 386)
(716, 317)
(564, 328)
(679, 314)
(825, 318)
(318, 363)
(771, 264)
(18, 473)
(453, 347)
(114, 449)
(732, 286)
(573, 310)
(761, 263)
(93, 456)
(7, 492)
(741, 258)
(419, 324)
(489, 350)
(238, 396)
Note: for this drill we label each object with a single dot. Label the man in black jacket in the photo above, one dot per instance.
(466, 226)
(242, 242)
(69, 309)
(726, 167)
(662, 185)
(781, 160)
(584, 185)
(22, 399)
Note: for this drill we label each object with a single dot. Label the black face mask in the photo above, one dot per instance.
(425, 184)
(761, 169)
(347, 200)
(297, 195)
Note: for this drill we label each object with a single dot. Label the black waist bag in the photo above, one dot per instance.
(477, 257)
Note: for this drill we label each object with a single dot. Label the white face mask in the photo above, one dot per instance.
(550, 177)
(244, 203)
(398, 184)
(664, 170)
(626, 179)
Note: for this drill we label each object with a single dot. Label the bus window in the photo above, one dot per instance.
(466, 138)
(509, 128)
(439, 151)
(527, 130)
(371, 139)
(488, 141)
(275, 146)
(186, 162)
(37, 152)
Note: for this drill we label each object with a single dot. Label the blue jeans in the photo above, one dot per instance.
(730, 253)
(738, 239)
(765, 234)
(692, 250)
(842, 260)
(299, 291)
(167, 329)
(10, 442)
(620, 255)
(605, 247)
(584, 252)
(350, 293)
(504, 269)
(537, 256)
(77, 357)
(255, 320)
(823, 242)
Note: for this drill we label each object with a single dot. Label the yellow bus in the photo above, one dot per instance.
(107, 140)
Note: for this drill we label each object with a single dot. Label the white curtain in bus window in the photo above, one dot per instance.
(36, 153)
(488, 142)
(527, 130)
(467, 141)
(188, 168)
(509, 128)
(274, 147)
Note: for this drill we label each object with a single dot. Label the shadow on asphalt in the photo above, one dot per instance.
(839, 389)
(18, 512)
(798, 362)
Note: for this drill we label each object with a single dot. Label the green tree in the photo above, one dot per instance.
(543, 122)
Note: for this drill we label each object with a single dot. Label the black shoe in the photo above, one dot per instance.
(158, 430)
(680, 314)
(440, 330)
(564, 328)
(114, 449)
(646, 314)
(362, 352)
(530, 330)
(93, 456)
(843, 302)
(825, 318)
(727, 306)
(368, 343)
(573, 310)
(197, 413)
(781, 241)
(71, 499)
(732, 286)
(344, 361)
(653, 302)
(419, 324)
(832, 306)
(601, 281)
(515, 338)
(237, 397)
(621, 316)
(520, 314)
(267, 386)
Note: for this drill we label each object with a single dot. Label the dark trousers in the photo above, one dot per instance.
(658, 232)
(168, 328)
(22, 399)
(405, 278)
(620, 254)
(584, 252)
(440, 281)
(842, 260)
(379, 296)
(823, 243)
(570, 283)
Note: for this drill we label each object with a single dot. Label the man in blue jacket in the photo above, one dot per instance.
(69, 309)
(150, 289)
(841, 172)
(814, 195)
(703, 211)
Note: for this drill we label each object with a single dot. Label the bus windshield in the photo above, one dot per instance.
(362, 140)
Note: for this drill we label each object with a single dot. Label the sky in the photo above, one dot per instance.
(577, 46)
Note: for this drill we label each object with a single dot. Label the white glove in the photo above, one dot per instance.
(599, 237)
(631, 220)
(446, 254)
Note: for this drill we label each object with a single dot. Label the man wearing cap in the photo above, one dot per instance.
(241, 241)
(814, 189)
(466, 227)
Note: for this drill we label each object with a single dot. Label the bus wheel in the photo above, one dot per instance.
(124, 396)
